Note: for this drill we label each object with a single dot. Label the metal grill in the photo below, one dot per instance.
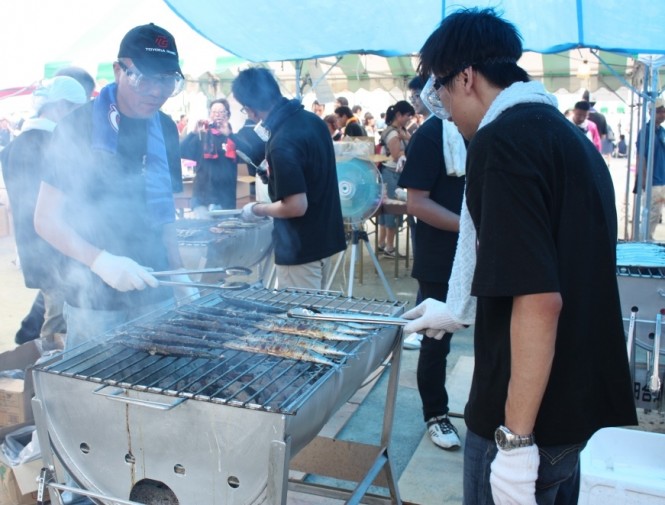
(165, 425)
(213, 372)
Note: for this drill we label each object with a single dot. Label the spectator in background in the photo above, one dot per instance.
(32, 324)
(83, 78)
(318, 108)
(182, 125)
(580, 119)
(658, 175)
(394, 140)
(348, 123)
(369, 124)
(622, 147)
(213, 148)
(341, 101)
(604, 129)
(24, 162)
(332, 121)
(357, 112)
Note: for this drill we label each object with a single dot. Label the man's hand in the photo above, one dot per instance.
(248, 213)
(122, 273)
(513, 476)
(431, 317)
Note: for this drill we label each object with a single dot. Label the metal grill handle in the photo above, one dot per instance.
(135, 401)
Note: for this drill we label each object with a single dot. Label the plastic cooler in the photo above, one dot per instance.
(623, 467)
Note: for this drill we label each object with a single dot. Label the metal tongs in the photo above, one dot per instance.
(344, 317)
(223, 284)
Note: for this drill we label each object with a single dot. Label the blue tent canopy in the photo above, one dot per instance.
(261, 31)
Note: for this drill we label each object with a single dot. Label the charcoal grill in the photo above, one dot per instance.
(641, 280)
(209, 429)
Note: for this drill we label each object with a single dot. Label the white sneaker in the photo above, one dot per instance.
(412, 341)
(443, 433)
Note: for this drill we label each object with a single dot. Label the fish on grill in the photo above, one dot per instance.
(305, 330)
(304, 342)
(153, 348)
(279, 349)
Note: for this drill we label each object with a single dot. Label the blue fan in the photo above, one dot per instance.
(360, 188)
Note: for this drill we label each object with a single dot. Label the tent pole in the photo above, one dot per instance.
(629, 156)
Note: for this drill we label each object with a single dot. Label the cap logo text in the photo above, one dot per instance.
(162, 42)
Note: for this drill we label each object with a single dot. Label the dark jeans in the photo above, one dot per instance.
(558, 474)
(432, 360)
(32, 323)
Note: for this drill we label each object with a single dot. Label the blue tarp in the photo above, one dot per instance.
(262, 30)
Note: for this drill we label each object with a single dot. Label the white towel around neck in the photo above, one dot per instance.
(460, 302)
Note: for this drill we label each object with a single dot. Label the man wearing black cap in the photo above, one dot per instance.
(106, 201)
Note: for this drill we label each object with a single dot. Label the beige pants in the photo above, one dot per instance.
(312, 275)
(657, 202)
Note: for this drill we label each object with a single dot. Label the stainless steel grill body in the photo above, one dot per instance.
(216, 431)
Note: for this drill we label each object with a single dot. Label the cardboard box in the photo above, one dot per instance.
(621, 466)
(16, 394)
(18, 484)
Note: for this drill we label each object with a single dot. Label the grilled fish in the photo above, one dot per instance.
(279, 349)
(304, 342)
(153, 348)
(263, 308)
(304, 330)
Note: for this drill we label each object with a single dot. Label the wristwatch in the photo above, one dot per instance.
(507, 440)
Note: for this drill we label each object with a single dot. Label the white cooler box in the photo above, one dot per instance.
(623, 467)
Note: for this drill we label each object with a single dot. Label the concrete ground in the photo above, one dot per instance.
(427, 474)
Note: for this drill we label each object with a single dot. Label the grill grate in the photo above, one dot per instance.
(157, 353)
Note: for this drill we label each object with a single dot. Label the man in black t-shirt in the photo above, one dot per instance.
(549, 345)
(302, 182)
(349, 123)
(434, 198)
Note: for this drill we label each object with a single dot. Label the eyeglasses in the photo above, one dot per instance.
(170, 84)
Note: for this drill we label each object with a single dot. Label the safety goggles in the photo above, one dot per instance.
(169, 84)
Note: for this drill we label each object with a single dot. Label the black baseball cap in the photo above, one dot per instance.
(151, 48)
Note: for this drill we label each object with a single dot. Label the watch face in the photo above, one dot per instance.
(500, 437)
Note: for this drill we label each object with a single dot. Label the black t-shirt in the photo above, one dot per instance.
(543, 205)
(23, 162)
(301, 158)
(425, 170)
(105, 203)
(354, 129)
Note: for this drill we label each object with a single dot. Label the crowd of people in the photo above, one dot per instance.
(515, 228)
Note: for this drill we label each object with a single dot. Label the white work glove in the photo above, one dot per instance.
(122, 273)
(513, 476)
(248, 213)
(401, 161)
(431, 317)
(190, 293)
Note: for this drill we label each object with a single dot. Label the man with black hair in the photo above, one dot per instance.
(106, 202)
(302, 182)
(580, 117)
(539, 222)
(349, 123)
(434, 197)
